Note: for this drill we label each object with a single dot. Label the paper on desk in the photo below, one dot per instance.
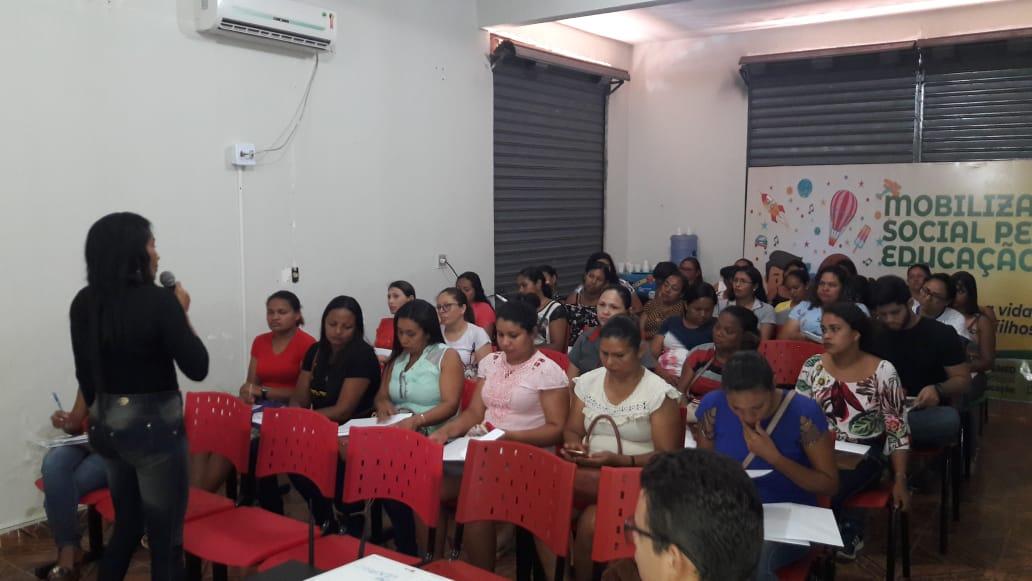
(758, 473)
(345, 428)
(376, 568)
(851, 448)
(455, 451)
(256, 418)
(64, 441)
(790, 522)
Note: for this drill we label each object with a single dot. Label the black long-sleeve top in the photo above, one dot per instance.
(141, 361)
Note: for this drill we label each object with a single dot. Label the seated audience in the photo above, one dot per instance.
(747, 291)
(581, 305)
(917, 274)
(424, 377)
(737, 422)
(795, 283)
(669, 302)
(937, 294)
(644, 408)
(713, 532)
(552, 278)
(692, 271)
(615, 300)
(553, 326)
(930, 359)
(840, 260)
(778, 266)
(606, 259)
(271, 377)
(676, 336)
(724, 284)
(864, 404)
(69, 472)
(339, 377)
(648, 287)
(483, 313)
(804, 320)
(469, 341)
(736, 330)
(399, 292)
(520, 391)
(980, 323)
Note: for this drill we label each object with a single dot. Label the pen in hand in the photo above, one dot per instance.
(57, 400)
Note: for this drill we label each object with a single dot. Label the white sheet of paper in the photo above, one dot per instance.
(851, 448)
(689, 440)
(256, 418)
(758, 473)
(382, 352)
(345, 429)
(64, 441)
(455, 451)
(376, 568)
(787, 521)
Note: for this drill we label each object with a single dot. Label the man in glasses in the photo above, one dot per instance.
(929, 357)
(937, 295)
(698, 518)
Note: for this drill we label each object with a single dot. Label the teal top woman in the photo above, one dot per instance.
(423, 375)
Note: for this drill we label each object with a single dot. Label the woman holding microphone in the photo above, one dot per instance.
(128, 336)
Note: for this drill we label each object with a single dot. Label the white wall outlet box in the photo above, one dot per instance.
(242, 154)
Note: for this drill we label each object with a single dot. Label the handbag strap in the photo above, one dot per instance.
(773, 423)
(698, 374)
(616, 431)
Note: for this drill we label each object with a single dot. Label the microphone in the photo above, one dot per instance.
(168, 280)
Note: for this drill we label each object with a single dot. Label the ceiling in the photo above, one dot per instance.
(689, 18)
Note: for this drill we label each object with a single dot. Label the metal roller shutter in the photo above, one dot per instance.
(549, 169)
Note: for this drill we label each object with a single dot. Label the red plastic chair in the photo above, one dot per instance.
(218, 423)
(469, 387)
(560, 358)
(383, 463)
(881, 499)
(786, 358)
(617, 497)
(514, 483)
(293, 441)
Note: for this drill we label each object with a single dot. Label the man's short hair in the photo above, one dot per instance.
(889, 290)
(951, 291)
(922, 267)
(705, 505)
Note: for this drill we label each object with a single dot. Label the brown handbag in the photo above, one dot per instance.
(585, 482)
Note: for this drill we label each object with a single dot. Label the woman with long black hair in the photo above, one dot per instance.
(128, 335)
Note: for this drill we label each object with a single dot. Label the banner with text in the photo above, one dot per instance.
(973, 216)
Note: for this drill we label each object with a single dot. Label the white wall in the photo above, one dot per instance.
(495, 12)
(119, 105)
(684, 113)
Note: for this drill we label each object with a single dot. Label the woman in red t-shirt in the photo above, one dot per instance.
(399, 292)
(271, 375)
(483, 313)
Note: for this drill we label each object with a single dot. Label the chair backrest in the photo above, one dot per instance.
(786, 358)
(617, 497)
(469, 387)
(299, 441)
(519, 484)
(561, 358)
(401, 465)
(220, 423)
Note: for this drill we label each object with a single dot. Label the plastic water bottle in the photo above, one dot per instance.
(683, 245)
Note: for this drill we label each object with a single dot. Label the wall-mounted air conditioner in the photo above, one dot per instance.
(282, 22)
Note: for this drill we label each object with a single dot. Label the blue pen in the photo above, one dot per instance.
(57, 401)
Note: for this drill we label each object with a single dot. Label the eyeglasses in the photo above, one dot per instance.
(446, 307)
(927, 293)
(630, 529)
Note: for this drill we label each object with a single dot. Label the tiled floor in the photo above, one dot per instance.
(992, 541)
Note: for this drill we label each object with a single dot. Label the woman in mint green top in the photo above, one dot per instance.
(423, 375)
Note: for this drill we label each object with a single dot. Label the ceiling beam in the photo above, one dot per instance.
(499, 12)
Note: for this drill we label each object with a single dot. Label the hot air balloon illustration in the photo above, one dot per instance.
(861, 238)
(843, 208)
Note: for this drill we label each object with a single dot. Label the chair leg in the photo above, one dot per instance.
(955, 482)
(193, 567)
(944, 502)
(95, 530)
(219, 572)
(231, 485)
(525, 556)
(890, 547)
(904, 533)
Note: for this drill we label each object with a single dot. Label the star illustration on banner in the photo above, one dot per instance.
(880, 242)
(807, 244)
(862, 185)
(763, 225)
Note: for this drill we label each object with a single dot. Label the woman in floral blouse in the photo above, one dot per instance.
(864, 402)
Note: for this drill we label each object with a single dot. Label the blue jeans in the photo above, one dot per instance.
(934, 427)
(143, 443)
(69, 472)
(774, 556)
